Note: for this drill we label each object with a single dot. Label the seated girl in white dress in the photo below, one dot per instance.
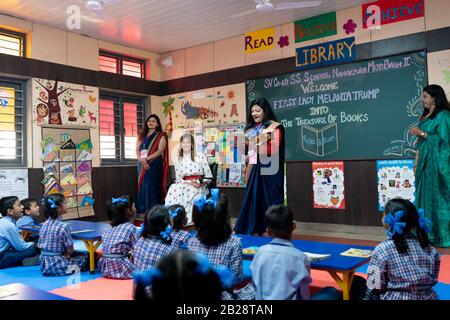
(192, 175)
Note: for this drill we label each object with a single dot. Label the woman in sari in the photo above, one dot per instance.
(151, 150)
(265, 168)
(432, 166)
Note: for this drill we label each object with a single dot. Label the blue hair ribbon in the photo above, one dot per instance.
(119, 200)
(424, 222)
(174, 213)
(200, 200)
(165, 234)
(146, 278)
(50, 201)
(393, 220)
(225, 275)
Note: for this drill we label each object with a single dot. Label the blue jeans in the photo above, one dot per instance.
(12, 257)
(327, 293)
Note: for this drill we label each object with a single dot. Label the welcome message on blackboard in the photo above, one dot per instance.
(355, 111)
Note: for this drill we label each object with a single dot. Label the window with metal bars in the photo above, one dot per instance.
(12, 43)
(111, 62)
(12, 123)
(120, 119)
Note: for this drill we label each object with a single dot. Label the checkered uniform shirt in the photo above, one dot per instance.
(148, 251)
(398, 276)
(55, 236)
(118, 240)
(227, 253)
(180, 238)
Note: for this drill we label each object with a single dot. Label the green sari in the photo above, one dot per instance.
(433, 176)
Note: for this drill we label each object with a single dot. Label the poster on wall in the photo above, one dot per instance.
(14, 182)
(213, 106)
(67, 165)
(61, 103)
(395, 180)
(221, 145)
(328, 184)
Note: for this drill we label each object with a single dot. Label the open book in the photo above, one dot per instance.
(358, 253)
(314, 257)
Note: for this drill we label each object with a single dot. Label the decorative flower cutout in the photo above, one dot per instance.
(349, 26)
(284, 41)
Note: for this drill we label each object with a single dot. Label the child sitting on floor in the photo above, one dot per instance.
(14, 250)
(118, 241)
(155, 241)
(279, 270)
(179, 221)
(182, 276)
(405, 266)
(214, 239)
(55, 241)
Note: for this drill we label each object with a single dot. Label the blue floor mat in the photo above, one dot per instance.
(32, 276)
(443, 290)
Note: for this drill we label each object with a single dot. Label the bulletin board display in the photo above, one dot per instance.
(223, 145)
(67, 165)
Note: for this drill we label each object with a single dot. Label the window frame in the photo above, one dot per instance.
(22, 162)
(120, 59)
(20, 35)
(119, 128)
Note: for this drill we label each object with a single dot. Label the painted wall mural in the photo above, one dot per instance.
(61, 103)
(213, 106)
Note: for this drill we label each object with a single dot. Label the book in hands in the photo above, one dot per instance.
(358, 253)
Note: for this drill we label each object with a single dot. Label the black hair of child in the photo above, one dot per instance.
(50, 212)
(212, 223)
(118, 212)
(180, 281)
(7, 203)
(280, 219)
(27, 203)
(411, 218)
(180, 219)
(156, 221)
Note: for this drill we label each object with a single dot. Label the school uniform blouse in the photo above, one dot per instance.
(148, 251)
(227, 253)
(25, 221)
(9, 237)
(180, 238)
(55, 238)
(118, 242)
(403, 276)
(281, 272)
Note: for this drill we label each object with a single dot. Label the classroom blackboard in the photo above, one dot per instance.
(360, 110)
